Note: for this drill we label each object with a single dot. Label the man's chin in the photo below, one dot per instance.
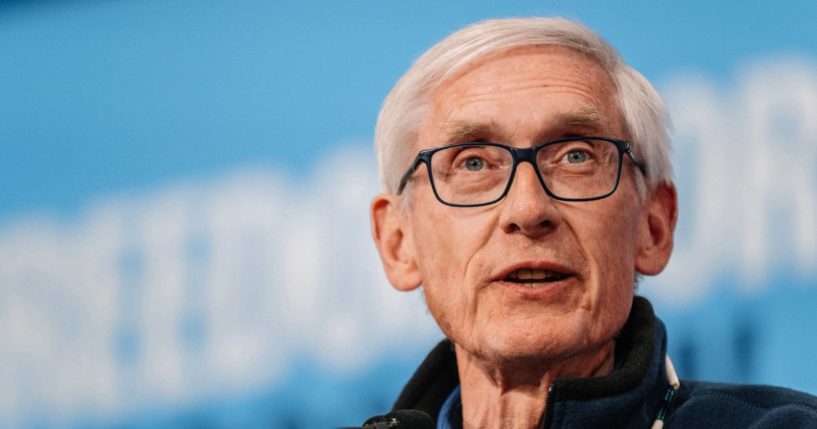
(519, 346)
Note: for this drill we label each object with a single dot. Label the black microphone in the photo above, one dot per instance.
(401, 419)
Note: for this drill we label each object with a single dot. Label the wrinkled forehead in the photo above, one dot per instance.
(590, 118)
(496, 78)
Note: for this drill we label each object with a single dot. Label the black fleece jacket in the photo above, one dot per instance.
(629, 397)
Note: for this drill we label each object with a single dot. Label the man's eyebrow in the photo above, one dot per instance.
(461, 131)
(590, 118)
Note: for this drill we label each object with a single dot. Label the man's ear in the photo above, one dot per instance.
(657, 230)
(394, 243)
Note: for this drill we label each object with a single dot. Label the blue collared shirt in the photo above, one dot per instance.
(451, 411)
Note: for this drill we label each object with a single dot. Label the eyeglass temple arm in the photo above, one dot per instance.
(641, 167)
(406, 177)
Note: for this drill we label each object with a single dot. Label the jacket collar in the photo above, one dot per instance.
(630, 395)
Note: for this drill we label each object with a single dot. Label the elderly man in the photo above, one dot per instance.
(528, 185)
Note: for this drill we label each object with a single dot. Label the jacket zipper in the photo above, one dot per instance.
(546, 419)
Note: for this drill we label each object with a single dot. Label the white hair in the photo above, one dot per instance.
(404, 109)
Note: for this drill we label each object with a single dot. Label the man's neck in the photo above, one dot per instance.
(514, 396)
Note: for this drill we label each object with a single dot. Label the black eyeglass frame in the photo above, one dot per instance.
(519, 155)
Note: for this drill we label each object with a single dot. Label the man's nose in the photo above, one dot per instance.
(528, 208)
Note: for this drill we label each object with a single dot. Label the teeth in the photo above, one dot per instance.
(527, 274)
(540, 274)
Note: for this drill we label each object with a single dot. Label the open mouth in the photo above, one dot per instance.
(526, 276)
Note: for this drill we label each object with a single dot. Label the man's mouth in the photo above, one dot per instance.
(527, 276)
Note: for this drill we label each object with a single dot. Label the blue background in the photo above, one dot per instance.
(126, 122)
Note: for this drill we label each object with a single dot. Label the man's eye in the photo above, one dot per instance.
(576, 156)
(474, 163)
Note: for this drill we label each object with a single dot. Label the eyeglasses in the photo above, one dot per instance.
(479, 173)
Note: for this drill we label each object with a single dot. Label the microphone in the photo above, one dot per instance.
(401, 419)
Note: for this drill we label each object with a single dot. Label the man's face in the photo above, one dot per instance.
(465, 256)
